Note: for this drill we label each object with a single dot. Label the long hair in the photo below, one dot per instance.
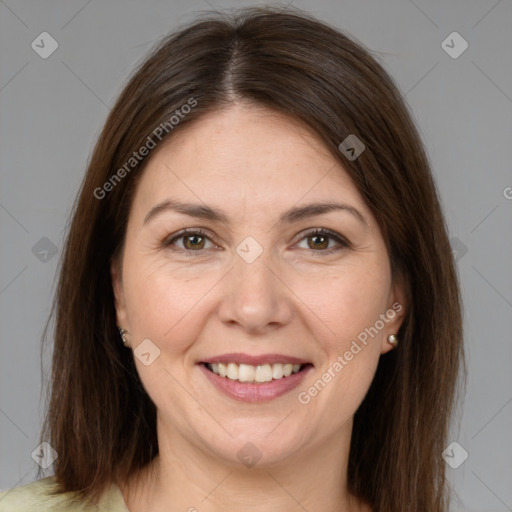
(100, 419)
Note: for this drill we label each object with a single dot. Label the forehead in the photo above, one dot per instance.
(269, 159)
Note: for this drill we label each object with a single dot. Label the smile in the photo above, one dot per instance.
(251, 373)
(255, 379)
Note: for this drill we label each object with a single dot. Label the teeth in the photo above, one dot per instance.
(250, 373)
(223, 370)
(232, 371)
(246, 373)
(287, 369)
(277, 371)
(263, 373)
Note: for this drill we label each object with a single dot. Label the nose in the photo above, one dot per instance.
(255, 298)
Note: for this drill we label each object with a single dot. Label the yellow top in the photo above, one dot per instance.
(38, 496)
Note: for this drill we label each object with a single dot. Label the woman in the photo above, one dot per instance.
(257, 306)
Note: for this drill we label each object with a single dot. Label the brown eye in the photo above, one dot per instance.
(193, 240)
(318, 240)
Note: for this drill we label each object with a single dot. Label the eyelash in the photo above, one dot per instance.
(344, 244)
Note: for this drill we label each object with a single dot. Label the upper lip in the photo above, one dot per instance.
(240, 358)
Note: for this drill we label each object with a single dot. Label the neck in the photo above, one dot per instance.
(186, 478)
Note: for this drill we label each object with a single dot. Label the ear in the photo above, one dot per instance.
(119, 300)
(396, 311)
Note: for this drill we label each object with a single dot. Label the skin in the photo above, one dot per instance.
(294, 299)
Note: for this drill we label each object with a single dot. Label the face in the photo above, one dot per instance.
(260, 282)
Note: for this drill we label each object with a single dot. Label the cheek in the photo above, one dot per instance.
(347, 304)
(162, 305)
(168, 311)
(358, 301)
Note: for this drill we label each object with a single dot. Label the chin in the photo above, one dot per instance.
(262, 443)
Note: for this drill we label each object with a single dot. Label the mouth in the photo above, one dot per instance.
(255, 379)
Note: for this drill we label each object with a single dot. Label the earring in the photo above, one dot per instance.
(393, 340)
(123, 332)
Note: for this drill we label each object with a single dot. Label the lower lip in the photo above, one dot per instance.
(255, 392)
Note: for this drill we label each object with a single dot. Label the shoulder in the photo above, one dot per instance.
(42, 496)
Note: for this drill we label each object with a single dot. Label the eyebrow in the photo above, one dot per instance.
(294, 214)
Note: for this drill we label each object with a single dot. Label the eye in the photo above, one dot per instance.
(319, 238)
(194, 240)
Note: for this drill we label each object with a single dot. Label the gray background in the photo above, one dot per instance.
(52, 111)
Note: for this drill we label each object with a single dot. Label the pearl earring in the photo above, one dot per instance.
(123, 332)
(393, 340)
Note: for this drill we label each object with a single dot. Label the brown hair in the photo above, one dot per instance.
(100, 419)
